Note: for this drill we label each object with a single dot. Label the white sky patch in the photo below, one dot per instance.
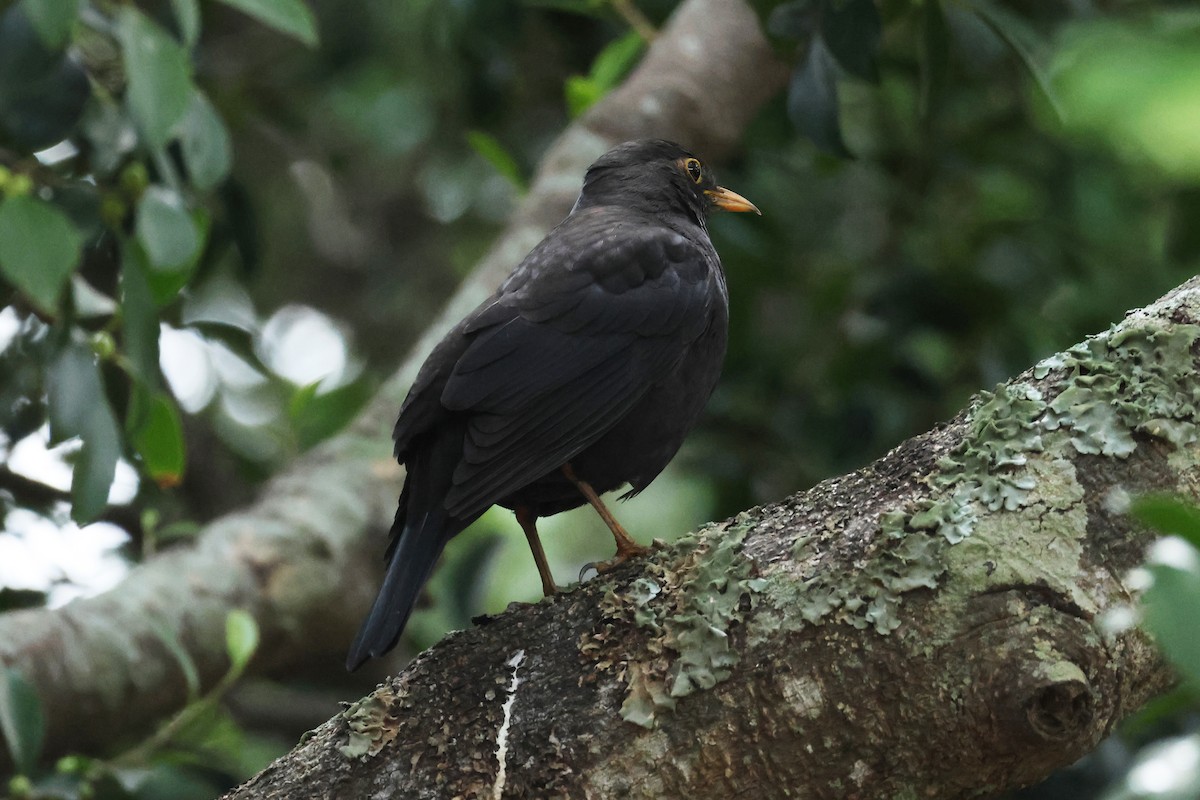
(59, 152)
(1168, 768)
(233, 370)
(184, 358)
(48, 555)
(303, 346)
(33, 458)
(9, 325)
(1172, 551)
(502, 737)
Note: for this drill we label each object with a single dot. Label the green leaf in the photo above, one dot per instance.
(1169, 515)
(39, 248)
(852, 30)
(42, 92)
(166, 230)
(187, 14)
(610, 66)
(79, 407)
(52, 19)
(139, 317)
(241, 638)
(165, 284)
(21, 719)
(1135, 88)
(584, 7)
(494, 153)
(205, 143)
(286, 16)
(157, 435)
(795, 20)
(316, 417)
(616, 59)
(935, 55)
(580, 94)
(187, 665)
(812, 101)
(1020, 36)
(1171, 606)
(159, 74)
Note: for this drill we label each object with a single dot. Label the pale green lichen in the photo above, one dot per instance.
(1137, 379)
(708, 580)
(1134, 379)
(867, 598)
(370, 724)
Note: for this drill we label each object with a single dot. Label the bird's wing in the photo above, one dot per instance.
(568, 346)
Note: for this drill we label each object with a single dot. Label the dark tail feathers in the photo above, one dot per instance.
(417, 547)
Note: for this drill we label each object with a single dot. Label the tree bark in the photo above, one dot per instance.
(934, 625)
(105, 668)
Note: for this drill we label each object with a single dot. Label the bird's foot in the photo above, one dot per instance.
(625, 552)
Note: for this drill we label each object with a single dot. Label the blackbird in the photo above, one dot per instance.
(581, 374)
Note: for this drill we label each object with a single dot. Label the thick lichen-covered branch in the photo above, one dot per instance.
(935, 625)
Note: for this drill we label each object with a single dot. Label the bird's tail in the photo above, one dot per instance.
(417, 543)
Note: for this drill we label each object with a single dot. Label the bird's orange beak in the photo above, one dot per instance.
(726, 200)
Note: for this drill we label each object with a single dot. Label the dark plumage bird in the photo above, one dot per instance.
(581, 374)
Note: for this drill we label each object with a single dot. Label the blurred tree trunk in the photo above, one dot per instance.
(931, 626)
(107, 667)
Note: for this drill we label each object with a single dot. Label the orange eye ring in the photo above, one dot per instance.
(694, 170)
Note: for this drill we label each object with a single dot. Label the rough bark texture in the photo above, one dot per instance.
(107, 667)
(932, 626)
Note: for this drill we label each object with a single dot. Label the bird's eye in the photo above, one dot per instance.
(693, 168)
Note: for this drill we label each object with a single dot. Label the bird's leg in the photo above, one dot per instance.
(627, 548)
(528, 521)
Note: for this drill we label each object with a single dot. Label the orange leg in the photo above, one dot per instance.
(627, 548)
(528, 521)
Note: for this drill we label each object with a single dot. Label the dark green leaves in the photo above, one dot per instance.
(42, 91)
(140, 318)
(852, 30)
(159, 76)
(832, 34)
(286, 16)
(935, 54)
(39, 247)
(1021, 37)
(812, 100)
(78, 407)
(21, 719)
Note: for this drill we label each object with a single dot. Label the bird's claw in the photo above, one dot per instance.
(623, 554)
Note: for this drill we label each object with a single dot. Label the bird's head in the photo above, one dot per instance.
(657, 176)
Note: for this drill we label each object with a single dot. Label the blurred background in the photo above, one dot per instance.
(950, 192)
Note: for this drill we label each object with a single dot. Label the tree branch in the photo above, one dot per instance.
(108, 666)
(930, 626)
